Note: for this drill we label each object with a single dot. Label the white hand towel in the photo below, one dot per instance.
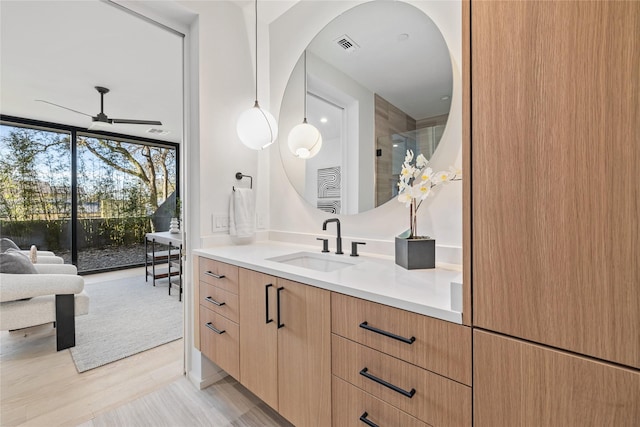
(242, 214)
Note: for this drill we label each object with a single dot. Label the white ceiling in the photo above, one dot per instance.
(59, 50)
(413, 74)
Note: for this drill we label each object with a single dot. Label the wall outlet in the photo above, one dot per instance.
(261, 221)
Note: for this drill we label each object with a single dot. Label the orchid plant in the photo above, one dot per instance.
(416, 182)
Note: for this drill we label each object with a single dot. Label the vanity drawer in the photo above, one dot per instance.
(350, 404)
(211, 296)
(222, 348)
(429, 397)
(439, 346)
(212, 272)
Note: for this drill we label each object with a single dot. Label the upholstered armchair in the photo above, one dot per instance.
(54, 294)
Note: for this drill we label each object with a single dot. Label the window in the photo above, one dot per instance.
(88, 197)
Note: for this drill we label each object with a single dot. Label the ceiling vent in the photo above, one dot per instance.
(346, 43)
(158, 132)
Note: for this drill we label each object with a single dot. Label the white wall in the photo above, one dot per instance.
(221, 85)
(291, 218)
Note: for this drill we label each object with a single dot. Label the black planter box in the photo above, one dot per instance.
(416, 253)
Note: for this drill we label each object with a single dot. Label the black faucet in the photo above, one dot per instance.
(339, 238)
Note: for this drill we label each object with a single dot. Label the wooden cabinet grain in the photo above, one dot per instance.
(425, 395)
(285, 347)
(555, 188)
(517, 383)
(442, 347)
(258, 336)
(351, 405)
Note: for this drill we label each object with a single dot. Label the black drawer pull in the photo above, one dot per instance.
(368, 422)
(364, 372)
(212, 274)
(212, 301)
(266, 303)
(217, 331)
(280, 324)
(365, 325)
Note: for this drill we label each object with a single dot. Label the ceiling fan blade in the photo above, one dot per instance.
(61, 106)
(136, 122)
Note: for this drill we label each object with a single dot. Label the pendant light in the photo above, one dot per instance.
(305, 140)
(256, 127)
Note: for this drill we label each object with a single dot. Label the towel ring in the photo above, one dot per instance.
(239, 176)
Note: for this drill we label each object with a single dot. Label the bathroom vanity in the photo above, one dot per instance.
(329, 339)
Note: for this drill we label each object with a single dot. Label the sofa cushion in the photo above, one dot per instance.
(14, 262)
(7, 244)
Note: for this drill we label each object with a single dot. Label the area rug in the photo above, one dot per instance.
(126, 316)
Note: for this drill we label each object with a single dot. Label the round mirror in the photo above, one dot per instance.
(378, 82)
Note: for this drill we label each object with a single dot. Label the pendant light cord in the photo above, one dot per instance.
(256, 10)
(305, 86)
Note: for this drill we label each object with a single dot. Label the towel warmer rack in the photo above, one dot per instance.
(240, 175)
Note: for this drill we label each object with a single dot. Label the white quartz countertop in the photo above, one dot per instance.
(433, 292)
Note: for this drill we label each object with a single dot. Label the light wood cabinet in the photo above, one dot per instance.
(442, 347)
(285, 348)
(517, 383)
(259, 336)
(555, 188)
(219, 341)
(352, 406)
(406, 366)
(216, 319)
(432, 398)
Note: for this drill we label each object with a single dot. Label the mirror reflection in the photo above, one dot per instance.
(379, 82)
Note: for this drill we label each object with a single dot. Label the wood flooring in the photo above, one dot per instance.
(41, 387)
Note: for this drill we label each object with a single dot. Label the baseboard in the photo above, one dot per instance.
(202, 383)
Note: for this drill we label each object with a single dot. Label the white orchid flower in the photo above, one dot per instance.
(409, 157)
(427, 174)
(405, 198)
(422, 190)
(442, 176)
(453, 171)
(421, 161)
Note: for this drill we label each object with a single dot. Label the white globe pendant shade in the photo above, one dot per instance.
(304, 140)
(257, 128)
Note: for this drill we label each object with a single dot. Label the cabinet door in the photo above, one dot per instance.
(555, 187)
(521, 384)
(258, 335)
(304, 354)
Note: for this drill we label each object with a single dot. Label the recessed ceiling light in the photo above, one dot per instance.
(323, 120)
(395, 145)
(444, 98)
(402, 37)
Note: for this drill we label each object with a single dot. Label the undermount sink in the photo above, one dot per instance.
(314, 261)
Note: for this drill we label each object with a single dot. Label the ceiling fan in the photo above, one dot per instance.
(101, 118)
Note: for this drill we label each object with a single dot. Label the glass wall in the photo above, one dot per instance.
(125, 190)
(35, 182)
(93, 207)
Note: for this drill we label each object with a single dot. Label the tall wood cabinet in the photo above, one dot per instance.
(555, 154)
(285, 346)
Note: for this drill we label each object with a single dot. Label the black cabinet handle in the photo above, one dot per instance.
(365, 325)
(266, 303)
(368, 422)
(280, 325)
(212, 301)
(364, 372)
(217, 331)
(212, 274)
